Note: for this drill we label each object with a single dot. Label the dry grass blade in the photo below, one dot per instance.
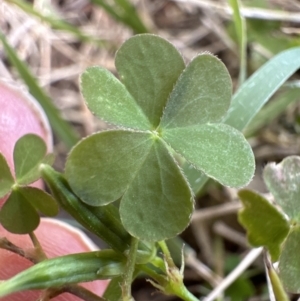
(247, 12)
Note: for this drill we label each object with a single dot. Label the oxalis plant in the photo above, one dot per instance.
(275, 225)
(131, 186)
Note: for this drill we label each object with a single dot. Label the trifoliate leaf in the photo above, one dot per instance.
(218, 150)
(283, 182)
(17, 215)
(265, 225)
(149, 67)
(108, 98)
(29, 152)
(6, 178)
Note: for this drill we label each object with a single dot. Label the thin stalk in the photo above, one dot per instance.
(9, 246)
(275, 282)
(39, 252)
(129, 270)
(167, 254)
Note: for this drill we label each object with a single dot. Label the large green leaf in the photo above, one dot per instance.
(108, 98)
(265, 225)
(158, 203)
(17, 215)
(202, 94)
(29, 151)
(68, 269)
(134, 165)
(149, 67)
(6, 178)
(283, 182)
(289, 262)
(111, 160)
(217, 149)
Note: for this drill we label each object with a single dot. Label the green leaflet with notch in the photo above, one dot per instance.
(219, 150)
(29, 152)
(149, 67)
(158, 203)
(109, 99)
(111, 160)
(65, 270)
(40, 200)
(289, 262)
(265, 225)
(201, 95)
(283, 181)
(17, 215)
(6, 178)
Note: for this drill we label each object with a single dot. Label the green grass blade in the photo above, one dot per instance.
(123, 12)
(60, 126)
(259, 88)
(56, 23)
(240, 28)
(272, 110)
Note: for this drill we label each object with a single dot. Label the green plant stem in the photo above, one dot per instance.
(278, 290)
(167, 254)
(240, 27)
(130, 265)
(39, 252)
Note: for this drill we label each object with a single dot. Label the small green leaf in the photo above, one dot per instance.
(6, 178)
(283, 182)
(17, 215)
(40, 200)
(149, 67)
(109, 99)
(29, 151)
(289, 262)
(158, 203)
(265, 225)
(113, 291)
(202, 94)
(111, 160)
(68, 269)
(218, 150)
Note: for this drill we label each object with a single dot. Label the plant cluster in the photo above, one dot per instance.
(130, 185)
